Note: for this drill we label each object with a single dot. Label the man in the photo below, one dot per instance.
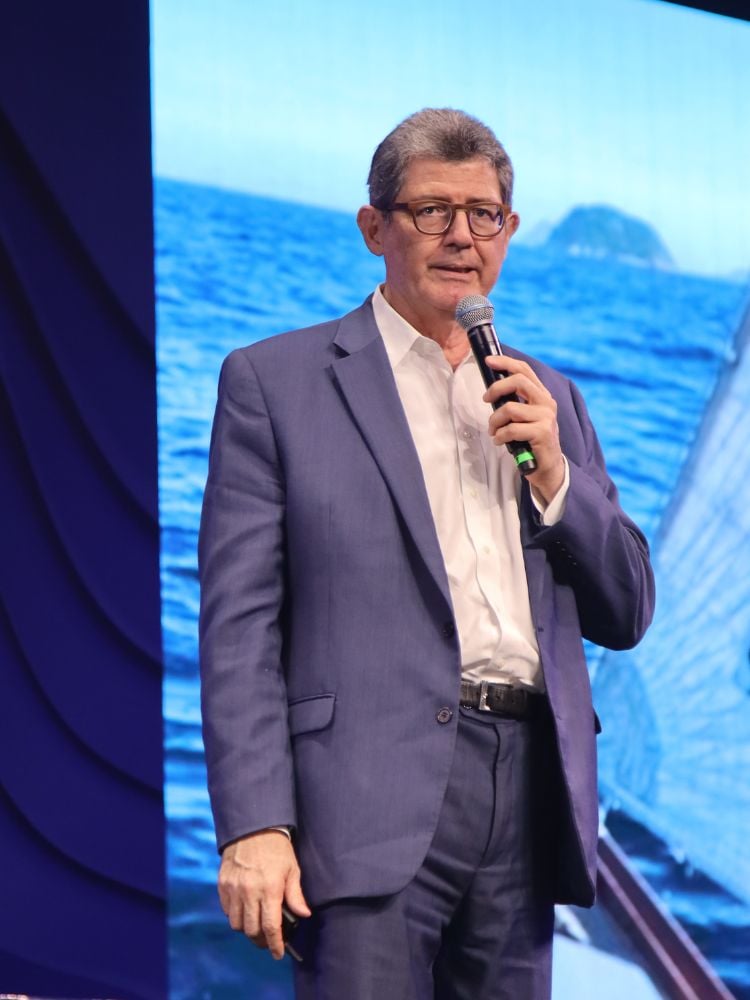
(392, 617)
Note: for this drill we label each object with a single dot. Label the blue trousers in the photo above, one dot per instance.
(476, 921)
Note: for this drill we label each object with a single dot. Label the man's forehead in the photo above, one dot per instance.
(473, 178)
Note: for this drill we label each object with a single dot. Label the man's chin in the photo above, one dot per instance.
(452, 292)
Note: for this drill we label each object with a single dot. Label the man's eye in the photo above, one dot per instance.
(432, 211)
(484, 212)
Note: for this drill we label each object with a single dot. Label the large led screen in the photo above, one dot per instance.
(628, 127)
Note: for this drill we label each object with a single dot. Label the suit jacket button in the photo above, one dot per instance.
(449, 630)
(444, 715)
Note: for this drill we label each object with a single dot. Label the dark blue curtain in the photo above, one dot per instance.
(82, 884)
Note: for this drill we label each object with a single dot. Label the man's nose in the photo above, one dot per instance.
(459, 231)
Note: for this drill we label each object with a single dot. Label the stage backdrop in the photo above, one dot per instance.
(627, 124)
(82, 886)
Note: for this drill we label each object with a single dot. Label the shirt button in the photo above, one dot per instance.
(444, 715)
(449, 630)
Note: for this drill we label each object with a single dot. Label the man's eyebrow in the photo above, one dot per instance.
(449, 201)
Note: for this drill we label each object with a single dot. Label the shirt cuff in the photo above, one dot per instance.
(282, 829)
(553, 511)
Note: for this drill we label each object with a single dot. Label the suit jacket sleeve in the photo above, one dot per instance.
(241, 563)
(595, 548)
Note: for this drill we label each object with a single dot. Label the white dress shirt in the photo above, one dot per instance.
(473, 489)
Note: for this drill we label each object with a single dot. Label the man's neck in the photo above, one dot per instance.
(455, 347)
(444, 330)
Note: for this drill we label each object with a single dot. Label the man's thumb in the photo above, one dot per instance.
(294, 898)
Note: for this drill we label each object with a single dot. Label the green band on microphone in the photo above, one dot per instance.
(523, 456)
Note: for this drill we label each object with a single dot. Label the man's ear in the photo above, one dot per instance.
(513, 222)
(371, 222)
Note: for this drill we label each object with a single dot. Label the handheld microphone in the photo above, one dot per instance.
(475, 313)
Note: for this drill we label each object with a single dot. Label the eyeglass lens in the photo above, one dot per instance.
(436, 217)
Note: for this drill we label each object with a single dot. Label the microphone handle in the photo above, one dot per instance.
(484, 344)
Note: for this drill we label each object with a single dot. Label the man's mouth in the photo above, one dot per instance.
(455, 268)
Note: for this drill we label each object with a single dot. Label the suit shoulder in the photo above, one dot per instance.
(303, 344)
(280, 348)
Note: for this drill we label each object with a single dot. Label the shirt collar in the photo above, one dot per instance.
(399, 336)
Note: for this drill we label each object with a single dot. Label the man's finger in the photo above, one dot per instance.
(236, 914)
(252, 924)
(294, 898)
(225, 898)
(516, 368)
(504, 362)
(527, 390)
(270, 922)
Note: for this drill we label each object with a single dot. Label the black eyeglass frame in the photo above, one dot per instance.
(413, 206)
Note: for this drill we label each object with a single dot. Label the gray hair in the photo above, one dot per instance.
(435, 133)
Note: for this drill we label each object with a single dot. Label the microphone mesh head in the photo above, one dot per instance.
(474, 310)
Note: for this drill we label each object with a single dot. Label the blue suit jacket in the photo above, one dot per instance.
(327, 637)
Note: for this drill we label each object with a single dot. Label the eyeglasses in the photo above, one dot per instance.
(436, 217)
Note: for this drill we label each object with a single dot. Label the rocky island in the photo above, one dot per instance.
(605, 232)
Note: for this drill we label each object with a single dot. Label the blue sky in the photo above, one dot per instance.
(634, 103)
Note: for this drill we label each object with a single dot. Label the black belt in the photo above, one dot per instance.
(502, 699)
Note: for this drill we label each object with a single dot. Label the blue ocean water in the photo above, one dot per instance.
(645, 346)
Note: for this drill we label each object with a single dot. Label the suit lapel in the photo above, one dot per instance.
(365, 379)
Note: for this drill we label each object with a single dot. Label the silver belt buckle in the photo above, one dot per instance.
(483, 706)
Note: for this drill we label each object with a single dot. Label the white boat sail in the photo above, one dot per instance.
(675, 751)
